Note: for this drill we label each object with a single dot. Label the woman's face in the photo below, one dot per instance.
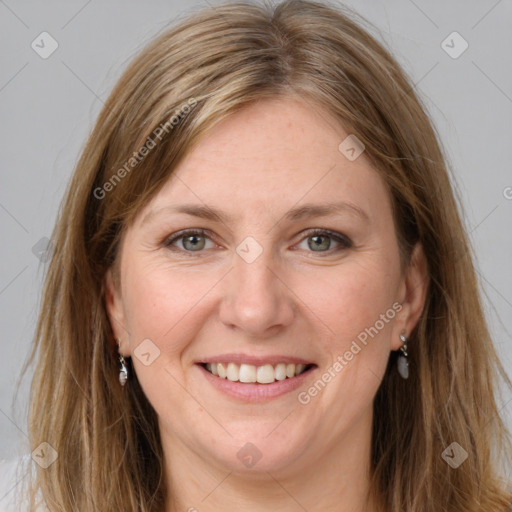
(273, 280)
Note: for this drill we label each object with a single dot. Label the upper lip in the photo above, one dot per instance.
(253, 360)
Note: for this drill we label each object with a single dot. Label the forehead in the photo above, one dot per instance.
(268, 157)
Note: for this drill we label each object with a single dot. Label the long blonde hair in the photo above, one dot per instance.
(217, 61)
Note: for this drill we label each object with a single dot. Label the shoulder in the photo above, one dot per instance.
(14, 475)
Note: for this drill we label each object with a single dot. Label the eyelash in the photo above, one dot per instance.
(345, 242)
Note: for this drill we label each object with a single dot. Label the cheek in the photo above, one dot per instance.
(354, 297)
(357, 303)
(161, 303)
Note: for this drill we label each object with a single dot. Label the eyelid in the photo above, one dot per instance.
(340, 238)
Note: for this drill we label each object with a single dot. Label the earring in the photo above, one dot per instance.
(123, 372)
(403, 362)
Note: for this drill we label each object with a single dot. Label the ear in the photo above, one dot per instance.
(115, 311)
(412, 295)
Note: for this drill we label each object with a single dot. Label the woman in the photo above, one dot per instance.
(261, 295)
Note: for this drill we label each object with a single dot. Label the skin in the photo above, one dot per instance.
(292, 299)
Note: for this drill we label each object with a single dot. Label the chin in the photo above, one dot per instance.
(260, 449)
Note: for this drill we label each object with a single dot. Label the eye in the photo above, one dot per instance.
(319, 240)
(193, 240)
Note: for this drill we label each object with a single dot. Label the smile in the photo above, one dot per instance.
(248, 373)
(258, 382)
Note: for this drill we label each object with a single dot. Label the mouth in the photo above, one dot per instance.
(259, 382)
(251, 374)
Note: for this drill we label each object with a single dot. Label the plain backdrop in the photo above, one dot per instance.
(49, 105)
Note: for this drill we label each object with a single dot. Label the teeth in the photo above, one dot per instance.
(222, 371)
(233, 372)
(299, 369)
(265, 374)
(247, 373)
(281, 371)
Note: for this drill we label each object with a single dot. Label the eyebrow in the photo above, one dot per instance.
(308, 210)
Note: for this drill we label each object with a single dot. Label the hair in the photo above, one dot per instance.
(189, 78)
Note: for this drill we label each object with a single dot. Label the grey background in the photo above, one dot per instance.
(48, 106)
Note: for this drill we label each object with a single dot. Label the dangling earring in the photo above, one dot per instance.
(123, 372)
(403, 362)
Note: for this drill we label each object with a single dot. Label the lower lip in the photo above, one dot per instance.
(249, 392)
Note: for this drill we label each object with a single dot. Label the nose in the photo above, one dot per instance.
(256, 299)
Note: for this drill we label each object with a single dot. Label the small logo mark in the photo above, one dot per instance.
(249, 455)
(507, 193)
(147, 352)
(42, 249)
(44, 45)
(351, 148)
(454, 45)
(454, 455)
(45, 455)
(249, 249)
